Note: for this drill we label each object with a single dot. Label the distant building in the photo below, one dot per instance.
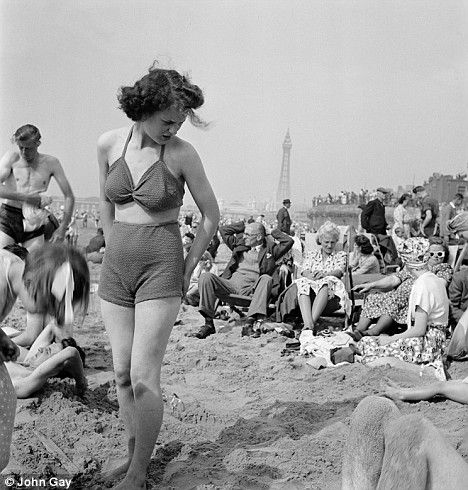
(444, 187)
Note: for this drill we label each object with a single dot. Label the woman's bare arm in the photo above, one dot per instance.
(203, 195)
(107, 209)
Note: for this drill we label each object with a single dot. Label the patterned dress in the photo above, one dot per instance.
(395, 303)
(313, 262)
(430, 294)
(7, 413)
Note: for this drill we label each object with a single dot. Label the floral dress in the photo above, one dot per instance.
(313, 262)
(429, 292)
(395, 303)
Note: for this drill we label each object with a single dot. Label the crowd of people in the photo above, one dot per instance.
(153, 257)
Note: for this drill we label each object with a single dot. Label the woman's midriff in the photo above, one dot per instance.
(133, 213)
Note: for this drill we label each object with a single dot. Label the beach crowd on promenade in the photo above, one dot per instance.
(274, 275)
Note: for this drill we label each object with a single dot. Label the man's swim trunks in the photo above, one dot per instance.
(11, 223)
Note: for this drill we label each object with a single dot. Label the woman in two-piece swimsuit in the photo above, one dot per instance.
(142, 175)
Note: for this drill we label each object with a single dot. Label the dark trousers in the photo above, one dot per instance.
(388, 246)
(212, 287)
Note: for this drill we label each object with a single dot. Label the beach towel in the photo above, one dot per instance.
(318, 346)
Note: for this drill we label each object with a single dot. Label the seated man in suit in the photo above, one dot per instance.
(249, 272)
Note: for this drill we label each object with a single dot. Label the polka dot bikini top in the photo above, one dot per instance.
(157, 190)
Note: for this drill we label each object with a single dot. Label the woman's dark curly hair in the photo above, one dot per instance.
(403, 198)
(159, 90)
(364, 244)
(39, 273)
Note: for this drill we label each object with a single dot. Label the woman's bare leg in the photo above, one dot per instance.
(363, 324)
(305, 305)
(382, 325)
(120, 323)
(319, 304)
(453, 390)
(153, 325)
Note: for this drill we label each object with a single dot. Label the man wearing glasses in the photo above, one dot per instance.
(249, 272)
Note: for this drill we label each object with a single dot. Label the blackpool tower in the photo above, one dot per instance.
(284, 186)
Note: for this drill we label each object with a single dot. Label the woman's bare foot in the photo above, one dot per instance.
(115, 468)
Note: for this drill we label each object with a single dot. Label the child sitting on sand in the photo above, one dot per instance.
(53, 281)
(47, 358)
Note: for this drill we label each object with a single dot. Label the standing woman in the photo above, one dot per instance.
(401, 216)
(143, 169)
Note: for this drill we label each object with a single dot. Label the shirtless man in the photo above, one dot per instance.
(25, 174)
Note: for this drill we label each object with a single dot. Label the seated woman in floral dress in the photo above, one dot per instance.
(320, 286)
(427, 319)
(391, 307)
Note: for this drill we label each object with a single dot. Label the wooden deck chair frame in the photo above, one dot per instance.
(238, 303)
(385, 269)
(348, 282)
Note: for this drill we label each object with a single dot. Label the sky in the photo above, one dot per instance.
(373, 93)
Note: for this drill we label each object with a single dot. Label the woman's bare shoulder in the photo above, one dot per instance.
(111, 138)
(183, 148)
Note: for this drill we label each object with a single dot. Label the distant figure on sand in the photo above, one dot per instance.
(72, 233)
(25, 174)
(95, 248)
(54, 280)
(429, 212)
(373, 221)
(283, 217)
(388, 450)
(143, 169)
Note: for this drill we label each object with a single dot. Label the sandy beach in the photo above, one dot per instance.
(238, 415)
